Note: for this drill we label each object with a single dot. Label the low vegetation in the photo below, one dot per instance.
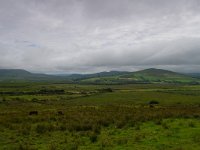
(68, 116)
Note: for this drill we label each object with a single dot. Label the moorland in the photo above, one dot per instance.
(151, 109)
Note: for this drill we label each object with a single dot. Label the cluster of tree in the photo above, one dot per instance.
(43, 91)
(105, 90)
(48, 91)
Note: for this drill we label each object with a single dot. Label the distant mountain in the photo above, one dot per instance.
(157, 75)
(16, 75)
(195, 75)
(13, 72)
(113, 77)
(157, 72)
(151, 75)
(97, 75)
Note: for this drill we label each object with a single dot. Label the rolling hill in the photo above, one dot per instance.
(151, 75)
(20, 75)
(113, 77)
(195, 75)
(97, 75)
(159, 75)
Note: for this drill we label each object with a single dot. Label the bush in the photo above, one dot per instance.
(34, 100)
(106, 90)
(3, 99)
(153, 102)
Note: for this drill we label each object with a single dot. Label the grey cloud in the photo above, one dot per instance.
(96, 35)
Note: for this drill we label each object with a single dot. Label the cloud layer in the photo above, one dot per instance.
(98, 35)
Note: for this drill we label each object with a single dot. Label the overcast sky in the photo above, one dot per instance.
(83, 36)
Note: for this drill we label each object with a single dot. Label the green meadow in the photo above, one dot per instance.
(49, 116)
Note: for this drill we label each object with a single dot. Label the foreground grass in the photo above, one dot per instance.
(112, 127)
(174, 134)
(95, 117)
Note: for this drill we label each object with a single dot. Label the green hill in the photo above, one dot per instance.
(145, 76)
(159, 75)
(113, 77)
(96, 75)
(19, 75)
(195, 75)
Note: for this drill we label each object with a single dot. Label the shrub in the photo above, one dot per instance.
(60, 112)
(33, 112)
(106, 90)
(3, 99)
(153, 102)
(34, 100)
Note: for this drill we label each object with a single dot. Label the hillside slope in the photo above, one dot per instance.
(97, 75)
(19, 75)
(113, 77)
(145, 76)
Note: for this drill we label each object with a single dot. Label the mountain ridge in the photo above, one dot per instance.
(150, 75)
(14, 75)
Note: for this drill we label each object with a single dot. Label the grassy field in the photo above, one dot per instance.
(69, 116)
